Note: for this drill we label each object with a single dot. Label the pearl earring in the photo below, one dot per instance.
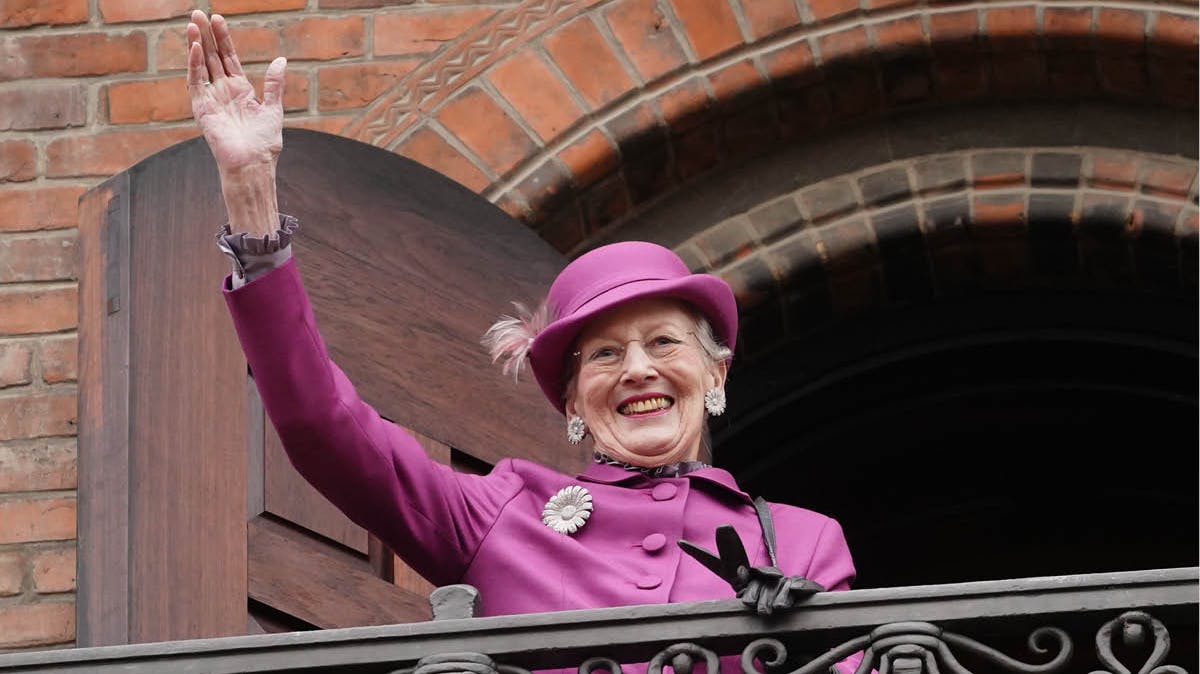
(576, 429)
(714, 401)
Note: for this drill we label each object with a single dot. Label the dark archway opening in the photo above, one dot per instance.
(1001, 435)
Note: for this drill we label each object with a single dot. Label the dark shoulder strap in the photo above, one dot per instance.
(768, 527)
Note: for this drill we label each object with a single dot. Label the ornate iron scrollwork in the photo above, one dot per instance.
(1134, 625)
(592, 664)
(894, 648)
(919, 648)
(456, 663)
(682, 658)
(757, 648)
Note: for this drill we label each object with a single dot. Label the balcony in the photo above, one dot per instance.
(1139, 621)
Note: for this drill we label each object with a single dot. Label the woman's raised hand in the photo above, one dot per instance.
(244, 134)
(241, 131)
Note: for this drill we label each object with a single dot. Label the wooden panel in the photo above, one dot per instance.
(256, 425)
(102, 606)
(320, 584)
(290, 497)
(406, 270)
(262, 619)
(188, 427)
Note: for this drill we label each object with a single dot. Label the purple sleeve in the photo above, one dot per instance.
(374, 471)
(831, 564)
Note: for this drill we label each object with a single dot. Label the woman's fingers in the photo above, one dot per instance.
(224, 42)
(197, 72)
(212, 59)
(765, 596)
(273, 82)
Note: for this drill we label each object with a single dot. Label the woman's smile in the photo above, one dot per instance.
(650, 404)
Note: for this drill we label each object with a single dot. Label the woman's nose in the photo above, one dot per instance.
(638, 363)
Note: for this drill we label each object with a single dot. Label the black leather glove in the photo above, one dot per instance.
(767, 589)
(761, 588)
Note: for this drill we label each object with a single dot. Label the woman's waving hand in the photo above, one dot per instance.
(244, 133)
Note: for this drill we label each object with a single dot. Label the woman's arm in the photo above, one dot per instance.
(370, 468)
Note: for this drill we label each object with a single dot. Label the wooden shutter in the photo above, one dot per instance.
(190, 513)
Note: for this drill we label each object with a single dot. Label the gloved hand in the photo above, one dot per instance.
(761, 588)
(767, 589)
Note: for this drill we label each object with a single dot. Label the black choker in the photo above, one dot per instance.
(670, 470)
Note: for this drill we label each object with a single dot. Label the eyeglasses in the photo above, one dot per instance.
(606, 356)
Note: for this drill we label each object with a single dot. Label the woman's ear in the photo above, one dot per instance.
(570, 405)
(719, 372)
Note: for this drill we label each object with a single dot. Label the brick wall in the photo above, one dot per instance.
(570, 114)
(87, 88)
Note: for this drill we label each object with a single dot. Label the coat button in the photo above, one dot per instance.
(649, 582)
(654, 542)
(664, 492)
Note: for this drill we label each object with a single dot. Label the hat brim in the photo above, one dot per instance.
(709, 294)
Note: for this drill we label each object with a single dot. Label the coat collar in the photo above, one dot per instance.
(609, 474)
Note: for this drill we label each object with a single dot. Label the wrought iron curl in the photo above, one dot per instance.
(923, 647)
(835, 655)
(756, 648)
(456, 663)
(1036, 643)
(682, 658)
(592, 664)
(455, 668)
(1134, 625)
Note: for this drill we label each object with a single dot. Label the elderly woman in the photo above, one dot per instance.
(633, 351)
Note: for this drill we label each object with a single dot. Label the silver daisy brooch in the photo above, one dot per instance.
(567, 510)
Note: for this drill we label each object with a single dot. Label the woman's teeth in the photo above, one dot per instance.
(643, 406)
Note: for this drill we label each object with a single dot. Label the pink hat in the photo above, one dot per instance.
(608, 276)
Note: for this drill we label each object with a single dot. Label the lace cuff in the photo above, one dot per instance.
(254, 257)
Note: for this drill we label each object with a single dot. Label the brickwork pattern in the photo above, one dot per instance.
(88, 88)
(955, 223)
(671, 96)
(569, 114)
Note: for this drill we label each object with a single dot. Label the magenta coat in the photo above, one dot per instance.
(487, 530)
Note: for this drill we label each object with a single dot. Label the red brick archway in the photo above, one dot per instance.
(950, 224)
(573, 115)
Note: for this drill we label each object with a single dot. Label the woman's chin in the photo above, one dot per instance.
(649, 453)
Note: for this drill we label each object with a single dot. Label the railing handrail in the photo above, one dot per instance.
(560, 639)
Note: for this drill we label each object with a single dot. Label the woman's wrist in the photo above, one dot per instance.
(250, 199)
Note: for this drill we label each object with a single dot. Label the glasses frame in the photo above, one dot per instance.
(578, 354)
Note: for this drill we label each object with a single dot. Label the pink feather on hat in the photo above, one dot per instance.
(511, 337)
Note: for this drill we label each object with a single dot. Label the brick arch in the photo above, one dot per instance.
(572, 115)
(955, 224)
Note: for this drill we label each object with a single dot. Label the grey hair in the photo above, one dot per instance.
(718, 352)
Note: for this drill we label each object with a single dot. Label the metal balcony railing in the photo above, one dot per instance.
(1118, 623)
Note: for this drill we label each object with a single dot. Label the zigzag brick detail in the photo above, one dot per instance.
(385, 122)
